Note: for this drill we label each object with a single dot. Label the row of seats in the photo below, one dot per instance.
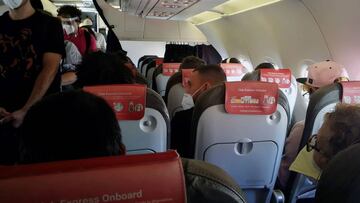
(210, 120)
(149, 133)
(137, 178)
(218, 151)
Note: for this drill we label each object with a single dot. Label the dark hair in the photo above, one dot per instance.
(265, 66)
(232, 60)
(344, 122)
(37, 5)
(69, 125)
(191, 62)
(68, 11)
(88, 29)
(212, 73)
(99, 68)
(340, 180)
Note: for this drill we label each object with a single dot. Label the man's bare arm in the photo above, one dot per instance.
(51, 63)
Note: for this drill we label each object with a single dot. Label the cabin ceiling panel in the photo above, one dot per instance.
(284, 32)
(339, 23)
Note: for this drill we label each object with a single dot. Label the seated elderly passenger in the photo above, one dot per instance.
(340, 130)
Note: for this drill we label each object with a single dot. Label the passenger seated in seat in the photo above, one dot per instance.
(70, 125)
(100, 68)
(319, 75)
(191, 62)
(340, 130)
(79, 125)
(265, 66)
(230, 60)
(201, 79)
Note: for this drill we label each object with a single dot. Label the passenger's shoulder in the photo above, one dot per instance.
(46, 18)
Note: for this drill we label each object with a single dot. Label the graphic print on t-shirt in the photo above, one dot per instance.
(17, 55)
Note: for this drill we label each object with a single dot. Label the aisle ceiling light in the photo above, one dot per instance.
(231, 7)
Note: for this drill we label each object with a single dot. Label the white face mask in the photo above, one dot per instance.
(188, 101)
(13, 4)
(69, 29)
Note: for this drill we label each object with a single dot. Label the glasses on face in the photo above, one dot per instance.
(312, 144)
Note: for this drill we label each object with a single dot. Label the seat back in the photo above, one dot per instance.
(107, 179)
(279, 76)
(208, 183)
(248, 145)
(175, 91)
(145, 65)
(141, 60)
(233, 71)
(321, 102)
(144, 130)
(150, 71)
(161, 78)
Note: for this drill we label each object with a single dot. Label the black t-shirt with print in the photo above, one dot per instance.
(22, 45)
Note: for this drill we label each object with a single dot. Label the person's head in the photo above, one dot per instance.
(322, 74)
(70, 125)
(204, 77)
(265, 66)
(191, 62)
(99, 68)
(340, 130)
(70, 17)
(87, 22)
(37, 4)
(230, 60)
(340, 180)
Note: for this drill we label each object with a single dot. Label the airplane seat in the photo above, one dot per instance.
(136, 178)
(208, 183)
(157, 72)
(87, 180)
(150, 65)
(141, 60)
(321, 101)
(300, 107)
(149, 76)
(233, 71)
(162, 76)
(174, 94)
(145, 65)
(150, 71)
(291, 92)
(248, 147)
(144, 130)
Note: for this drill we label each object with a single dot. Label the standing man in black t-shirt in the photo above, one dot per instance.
(31, 47)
